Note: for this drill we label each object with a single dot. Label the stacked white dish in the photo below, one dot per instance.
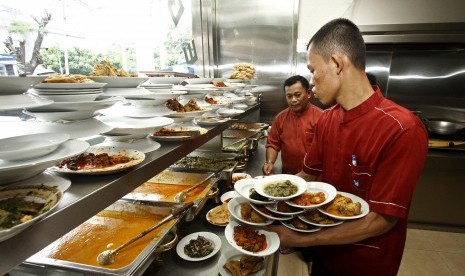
(133, 128)
(43, 150)
(68, 92)
(119, 82)
(71, 111)
(14, 85)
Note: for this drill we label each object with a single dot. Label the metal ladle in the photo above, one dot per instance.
(181, 196)
(107, 257)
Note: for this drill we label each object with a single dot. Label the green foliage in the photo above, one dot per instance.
(174, 42)
(19, 27)
(82, 61)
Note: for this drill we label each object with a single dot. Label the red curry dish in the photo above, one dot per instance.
(249, 239)
(93, 161)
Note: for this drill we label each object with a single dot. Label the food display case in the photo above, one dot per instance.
(90, 194)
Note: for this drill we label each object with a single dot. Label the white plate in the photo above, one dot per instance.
(144, 101)
(20, 170)
(304, 219)
(234, 254)
(71, 97)
(166, 80)
(228, 196)
(188, 114)
(365, 207)
(42, 92)
(11, 85)
(141, 126)
(229, 111)
(54, 116)
(234, 207)
(12, 102)
(238, 176)
(243, 186)
(312, 229)
(214, 223)
(136, 155)
(210, 121)
(198, 80)
(178, 138)
(144, 145)
(119, 81)
(272, 240)
(315, 187)
(76, 129)
(274, 209)
(237, 80)
(70, 85)
(34, 193)
(261, 183)
(83, 105)
(209, 236)
(26, 147)
(49, 179)
(268, 214)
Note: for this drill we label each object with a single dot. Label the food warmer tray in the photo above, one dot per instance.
(156, 189)
(233, 161)
(250, 126)
(41, 263)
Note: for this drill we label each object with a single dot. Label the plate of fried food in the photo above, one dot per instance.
(346, 206)
(269, 214)
(100, 160)
(282, 208)
(232, 262)
(251, 241)
(316, 195)
(219, 215)
(180, 133)
(298, 225)
(317, 218)
(71, 81)
(241, 210)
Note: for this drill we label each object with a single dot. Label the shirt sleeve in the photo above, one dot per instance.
(274, 138)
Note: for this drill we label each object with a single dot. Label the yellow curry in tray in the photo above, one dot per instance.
(108, 230)
(167, 184)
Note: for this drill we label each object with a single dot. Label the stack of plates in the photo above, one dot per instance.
(71, 111)
(69, 92)
(157, 87)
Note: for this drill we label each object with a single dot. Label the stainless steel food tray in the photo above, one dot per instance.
(42, 265)
(178, 176)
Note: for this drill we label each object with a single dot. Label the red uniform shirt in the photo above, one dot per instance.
(292, 134)
(390, 146)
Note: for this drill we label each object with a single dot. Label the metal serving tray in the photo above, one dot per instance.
(44, 265)
(164, 186)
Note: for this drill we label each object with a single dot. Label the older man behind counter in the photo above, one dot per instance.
(292, 129)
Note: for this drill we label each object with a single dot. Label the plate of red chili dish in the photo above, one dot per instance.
(100, 160)
(251, 241)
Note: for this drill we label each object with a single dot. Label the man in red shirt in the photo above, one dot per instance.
(292, 129)
(365, 145)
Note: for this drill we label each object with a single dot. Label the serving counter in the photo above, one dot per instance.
(90, 194)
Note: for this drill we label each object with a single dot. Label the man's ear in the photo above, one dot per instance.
(338, 62)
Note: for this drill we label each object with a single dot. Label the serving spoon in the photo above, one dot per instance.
(107, 257)
(181, 196)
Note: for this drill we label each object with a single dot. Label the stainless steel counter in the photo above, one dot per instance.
(90, 194)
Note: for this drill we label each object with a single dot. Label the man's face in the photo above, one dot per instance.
(297, 97)
(324, 78)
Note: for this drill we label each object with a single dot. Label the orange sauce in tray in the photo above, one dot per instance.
(166, 192)
(108, 230)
